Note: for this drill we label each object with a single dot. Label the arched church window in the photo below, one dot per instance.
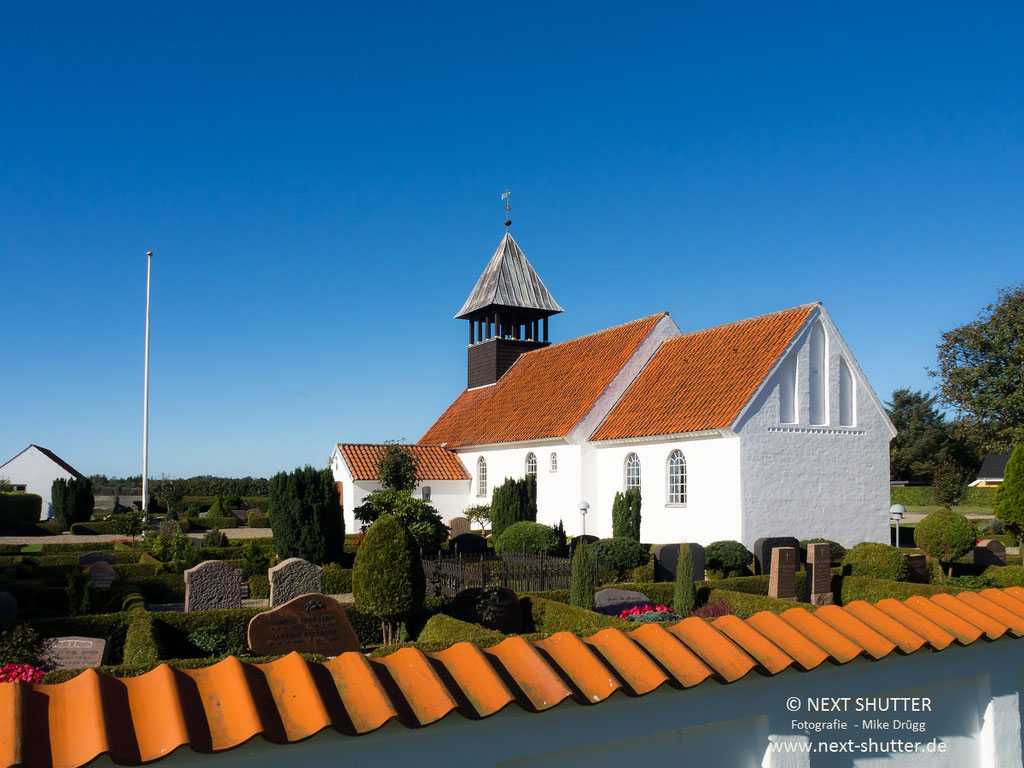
(846, 395)
(481, 477)
(531, 463)
(554, 462)
(676, 478)
(632, 471)
(818, 376)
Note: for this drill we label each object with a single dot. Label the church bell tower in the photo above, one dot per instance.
(508, 313)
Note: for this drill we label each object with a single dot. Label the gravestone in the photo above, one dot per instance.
(73, 652)
(458, 526)
(666, 557)
(918, 565)
(468, 544)
(96, 557)
(782, 581)
(103, 574)
(8, 607)
(612, 602)
(763, 551)
(293, 577)
(496, 608)
(311, 623)
(990, 552)
(819, 577)
(213, 584)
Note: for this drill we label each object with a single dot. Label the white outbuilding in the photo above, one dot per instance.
(34, 470)
(762, 427)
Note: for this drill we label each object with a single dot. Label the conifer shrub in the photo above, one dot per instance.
(876, 561)
(387, 577)
(215, 538)
(512, 502)
(727, 558)
(72, 501)
(1009, 503)
(582, 578)
(626, 515)
(620, 555)
(684, 599)
(307, 521)
(945, 535)
(254, 560)
(529, 538)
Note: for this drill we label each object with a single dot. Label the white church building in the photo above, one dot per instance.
(761, 427)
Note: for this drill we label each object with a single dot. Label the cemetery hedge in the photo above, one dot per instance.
(141, 646)
(872, 590)
(17, 509)
(924, 496)
(444, 631)
(548, 616)
(1003, 576)
(876, 561)
(745, 605)
(93, 528)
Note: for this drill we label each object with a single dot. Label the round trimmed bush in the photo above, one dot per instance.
(727, 557)
(387, 576)
(533, 538)
(945, 535)
(877, 561)
(620, 554)
(836, 551)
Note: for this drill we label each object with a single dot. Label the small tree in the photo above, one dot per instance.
(626, 514)
(397, 468)
(307, 520)
(72, 501)
(948, 484)
(131, 523)
(218, 510)
(946, 536)
(479, 514)
(254, 560)
(582, 594)
(684, 598)
(1009, 503)
(387, 576)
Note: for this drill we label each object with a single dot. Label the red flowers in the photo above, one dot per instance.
(638, 610)
(24, 672)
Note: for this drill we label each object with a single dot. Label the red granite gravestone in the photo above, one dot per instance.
(458, 526)
(311, 623)
(782, 581)
(819, 575)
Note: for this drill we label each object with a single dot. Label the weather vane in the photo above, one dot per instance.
(505, 196)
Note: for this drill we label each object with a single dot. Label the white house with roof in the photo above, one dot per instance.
(762, 427)
(34, 470)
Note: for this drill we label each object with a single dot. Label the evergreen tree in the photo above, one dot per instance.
(949, 484)
(626, 515)
(387, 576)
(397, 468)
(307, 520)
(582, 593)
(72, 501)
(684, 598)
(924, 438)
(1009, 504)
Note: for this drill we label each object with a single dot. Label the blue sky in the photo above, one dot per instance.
(321, 185)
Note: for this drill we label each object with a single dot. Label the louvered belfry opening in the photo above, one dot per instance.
(508, 313)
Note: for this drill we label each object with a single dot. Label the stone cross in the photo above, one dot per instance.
(782, 581)
(213, 584)
(292, 578)
(819, 577)
(990, 552)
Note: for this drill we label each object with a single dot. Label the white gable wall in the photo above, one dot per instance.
(808, 480)
(712, 508)
(36, 471)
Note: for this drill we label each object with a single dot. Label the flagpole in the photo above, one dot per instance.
(145, 397)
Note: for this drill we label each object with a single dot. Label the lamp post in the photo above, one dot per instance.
(583, 515)
(896, 512)
(145, 397)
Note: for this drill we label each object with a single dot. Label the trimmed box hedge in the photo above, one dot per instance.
(18, 509)
(924, 496)
(870, 590)
(93, 528)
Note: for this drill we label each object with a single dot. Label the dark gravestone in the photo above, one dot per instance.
(918, 565)
(458, 526)
(293, 577)
(103, 574)
(8, 607)
(666, 557)
(73, 652)
(213, 584)
(819, 575)
(763, 551)
(496, 608)
(96, 557)
(782, 581)
(311, 623)
(614, 601)
(468, 544)
(990, 552)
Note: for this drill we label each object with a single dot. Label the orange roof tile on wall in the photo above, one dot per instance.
(219, 707)
(702, 380)
(544, 394)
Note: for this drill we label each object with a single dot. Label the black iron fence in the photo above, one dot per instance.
(446, 576)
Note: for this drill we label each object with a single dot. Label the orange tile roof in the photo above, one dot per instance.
(432, 461)
(702, 380)
(545, 393)
(219, 707)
